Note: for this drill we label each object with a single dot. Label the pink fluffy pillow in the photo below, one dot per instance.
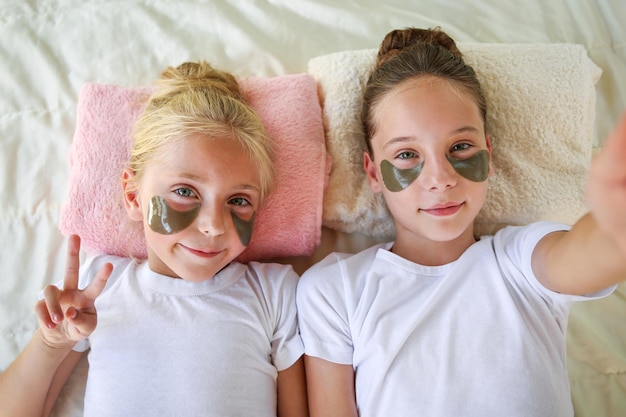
(289, 222)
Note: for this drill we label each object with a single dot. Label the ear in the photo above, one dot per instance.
(489, 149)
(131, 196)
(371, 172)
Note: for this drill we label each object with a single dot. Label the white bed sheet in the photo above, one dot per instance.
(49, 49)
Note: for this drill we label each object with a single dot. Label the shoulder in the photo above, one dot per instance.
(523, 239)
(270, 271)
(536, 229)
(341, 260)
(339, 269)
(273, 279)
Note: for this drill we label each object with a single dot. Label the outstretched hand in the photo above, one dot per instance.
(606, 189)
(68, 315)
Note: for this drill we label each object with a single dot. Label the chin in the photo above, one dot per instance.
(452, 234)
(442, 233)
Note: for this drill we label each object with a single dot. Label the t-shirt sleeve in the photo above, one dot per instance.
(519, 244)
(322, 312)
(286, 344)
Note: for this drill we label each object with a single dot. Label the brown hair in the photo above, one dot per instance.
(195, 98)
(413, 53)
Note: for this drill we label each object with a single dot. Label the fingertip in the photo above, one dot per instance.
(71, 313)
(105, 272)
(43, 316)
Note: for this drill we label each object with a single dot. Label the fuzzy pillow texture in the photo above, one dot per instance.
(288, 223)
(540, 114)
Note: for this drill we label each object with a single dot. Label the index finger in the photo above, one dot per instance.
(70, 282)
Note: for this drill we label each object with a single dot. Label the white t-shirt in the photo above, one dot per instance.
(169, 347)
(477, 337)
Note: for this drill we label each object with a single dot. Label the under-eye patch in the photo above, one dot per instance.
(475, 168)
(397, 179)
(165, 220)
(243, 228)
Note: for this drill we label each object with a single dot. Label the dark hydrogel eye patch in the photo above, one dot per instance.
(165, 220)
(243, 228)
(475, 168)
(397, 179)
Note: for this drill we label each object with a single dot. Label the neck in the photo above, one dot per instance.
(431, 252)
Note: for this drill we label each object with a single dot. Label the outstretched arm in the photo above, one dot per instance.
(331, 388)
(31, 384)
(592, 256)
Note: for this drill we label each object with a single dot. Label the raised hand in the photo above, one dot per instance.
(68, 315)
(606, 189)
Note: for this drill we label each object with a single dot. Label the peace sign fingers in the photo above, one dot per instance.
(69, 314)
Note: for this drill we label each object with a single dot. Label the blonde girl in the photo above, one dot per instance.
(190, 331)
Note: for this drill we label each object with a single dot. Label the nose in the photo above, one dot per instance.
(211, 219)
(438, 174)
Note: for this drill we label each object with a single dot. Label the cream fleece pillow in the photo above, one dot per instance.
(541, 109)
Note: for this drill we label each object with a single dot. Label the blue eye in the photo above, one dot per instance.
(406, 155)
(184, 192)
(239, 201)
(460, 147)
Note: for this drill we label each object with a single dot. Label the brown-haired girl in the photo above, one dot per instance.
(441, 322)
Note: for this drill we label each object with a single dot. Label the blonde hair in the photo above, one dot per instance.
(195, 98)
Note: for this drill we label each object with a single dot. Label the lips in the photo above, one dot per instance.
(446, 209)
(202, 253)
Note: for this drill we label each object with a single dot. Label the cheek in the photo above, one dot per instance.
(477, 195)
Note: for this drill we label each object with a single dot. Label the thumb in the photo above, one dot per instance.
(609, 162)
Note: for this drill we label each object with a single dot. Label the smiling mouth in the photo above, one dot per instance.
(444, 210)
(201, 253)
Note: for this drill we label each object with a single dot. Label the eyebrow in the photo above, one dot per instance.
(244, 186)
(401, 139)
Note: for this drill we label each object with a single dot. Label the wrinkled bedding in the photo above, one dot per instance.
(50, 49)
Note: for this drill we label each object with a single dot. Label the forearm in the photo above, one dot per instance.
(25, 384)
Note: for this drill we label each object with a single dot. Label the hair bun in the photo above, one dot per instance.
(198, 75)
(397, 40)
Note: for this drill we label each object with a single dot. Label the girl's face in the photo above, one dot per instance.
(427, 121)
(206, 188)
